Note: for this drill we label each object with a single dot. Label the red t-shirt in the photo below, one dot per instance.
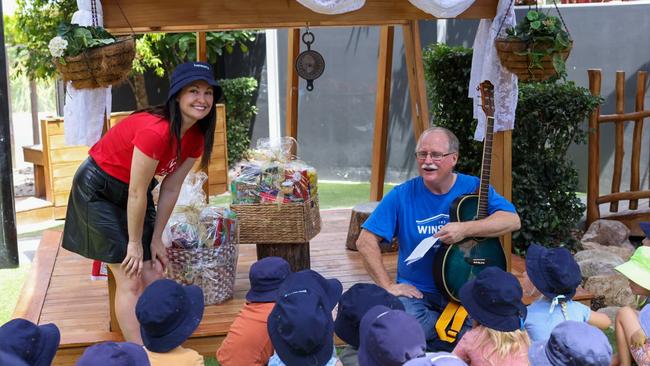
(149, 133)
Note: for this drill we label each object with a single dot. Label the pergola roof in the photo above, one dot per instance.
(205, 15)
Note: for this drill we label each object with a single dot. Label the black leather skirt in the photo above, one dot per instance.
(96, 224)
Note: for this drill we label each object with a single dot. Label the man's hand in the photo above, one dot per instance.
(638, 338)
(132, 263)
(404, 289)
(451, 233)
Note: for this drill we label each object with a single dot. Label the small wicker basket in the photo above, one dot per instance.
(520, 64)
(212, 269)
(278, 223)
(99, 67)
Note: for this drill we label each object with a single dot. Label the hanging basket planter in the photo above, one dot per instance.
(514, 56)
(99, 67)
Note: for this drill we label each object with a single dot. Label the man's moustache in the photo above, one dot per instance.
(429, 167)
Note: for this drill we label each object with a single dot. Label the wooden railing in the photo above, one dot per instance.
(634, 214)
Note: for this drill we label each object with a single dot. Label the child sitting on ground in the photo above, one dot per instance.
(437, 359)
(248, 342)
(498, 338)
(32, 344)
(114, 354)
(556, 275)
(168, 314)
(631, 335)
(572, 343)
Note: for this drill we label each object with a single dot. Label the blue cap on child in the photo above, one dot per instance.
(266, 276)
(34, 344)
(572, 344)
(437, 359)
(114, 354)
(554, 272)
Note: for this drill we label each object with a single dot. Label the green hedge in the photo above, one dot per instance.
(239, 96)
(549, 119)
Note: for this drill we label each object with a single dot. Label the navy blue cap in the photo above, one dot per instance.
(266, 276)
(34, 344)
(300, 325)
(192, 71)
(168, 314)
(354, 304)
(493, 299)
(7, 358)
(572, 344)
(390, 338)
(553, 271)
(645, 226)
(437, 359)
(114, 354)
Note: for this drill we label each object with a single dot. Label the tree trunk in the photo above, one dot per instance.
(138, 86)
(33, 98)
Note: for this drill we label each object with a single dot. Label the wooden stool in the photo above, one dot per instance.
(297, 254)
(360, 213)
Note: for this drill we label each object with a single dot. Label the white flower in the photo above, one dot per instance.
(57, 46)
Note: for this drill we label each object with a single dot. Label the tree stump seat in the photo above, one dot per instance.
(360, 214)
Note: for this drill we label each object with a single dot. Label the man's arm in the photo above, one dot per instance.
(368, 246)
(497, 224)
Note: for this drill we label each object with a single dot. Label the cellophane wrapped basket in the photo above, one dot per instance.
(202, 243)
(275, 197)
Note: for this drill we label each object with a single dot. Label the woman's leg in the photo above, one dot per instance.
(627, 322)
(127, 292)
(151, 273)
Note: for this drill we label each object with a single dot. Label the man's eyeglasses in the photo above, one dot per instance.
(435, 156)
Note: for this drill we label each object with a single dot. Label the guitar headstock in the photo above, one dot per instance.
(487, 97)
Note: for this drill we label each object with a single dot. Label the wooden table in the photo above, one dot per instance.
(34, 154)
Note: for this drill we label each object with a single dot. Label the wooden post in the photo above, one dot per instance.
(420, 78)
(382, 104)
(415, 73)
(297, 254)
(201, 47)
(638, 134)
(619, 139)
(593, 171)
(501, 178)
(293, 46)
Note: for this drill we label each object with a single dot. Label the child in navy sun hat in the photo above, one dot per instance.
(114, 354)
(34, 344)
(572, 344)
(437, 359)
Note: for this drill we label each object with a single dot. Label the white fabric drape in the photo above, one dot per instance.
(486, 66)
(442, 8)
(85, 109)
(331, 7)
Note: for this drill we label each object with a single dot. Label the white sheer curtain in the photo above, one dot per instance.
(332, 6)
(442, 8)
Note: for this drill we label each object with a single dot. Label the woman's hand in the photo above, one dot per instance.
(132, 263)
(158, 253)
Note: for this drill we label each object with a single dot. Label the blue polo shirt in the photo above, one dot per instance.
(412, 213)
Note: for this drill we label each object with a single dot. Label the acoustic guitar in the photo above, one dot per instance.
(456, 264)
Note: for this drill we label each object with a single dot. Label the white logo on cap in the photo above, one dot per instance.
(203, 66)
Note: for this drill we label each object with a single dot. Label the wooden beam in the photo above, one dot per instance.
(636, 139)
(593, 171)
(416, 79)
(382, 103)
(201, 47)
(199, 15)
(618, 139)
(501, 177)
(293, 46)
(420, 78)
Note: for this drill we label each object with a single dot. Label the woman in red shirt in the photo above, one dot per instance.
(111, 216)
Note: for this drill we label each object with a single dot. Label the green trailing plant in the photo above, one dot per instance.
(447, 71)
(549, 119)
(73, 39)
(239, 94)
(544, 36)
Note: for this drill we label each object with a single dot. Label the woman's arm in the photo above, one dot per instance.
(169, 190)
(142, 170)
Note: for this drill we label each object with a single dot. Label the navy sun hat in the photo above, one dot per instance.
(553, 271)
(390, 338)
(572, 344)
(301, 328)
(266, 276)
(114, 354)
(437, 359)
(493, 299)
(330, 289)
(354, 304)
(34, 344)
(7, 358)
(188, 72)
(645, 226)
(168, 314)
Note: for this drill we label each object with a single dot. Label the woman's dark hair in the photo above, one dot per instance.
(171, 111)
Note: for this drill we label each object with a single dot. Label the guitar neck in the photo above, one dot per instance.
(485, 170)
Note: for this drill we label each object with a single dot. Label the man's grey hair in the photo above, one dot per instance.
(451, 138)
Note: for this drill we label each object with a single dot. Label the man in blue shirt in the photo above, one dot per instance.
(419, 208)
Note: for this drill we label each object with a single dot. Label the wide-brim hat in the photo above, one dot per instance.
(437, 359)
(493, 299)
(7, 358)
(553, 271)
(637, 268)
(168, 314)
(36, 344)
(354, 304)
(572, 343)
(331, 289)
(645, 226)
(301, 329)
(188, 72)
(266, 275)
(114, 353)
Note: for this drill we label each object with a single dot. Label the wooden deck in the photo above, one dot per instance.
(59, 289)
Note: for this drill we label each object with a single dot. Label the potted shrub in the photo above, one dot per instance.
(536, 48)
(90, 57)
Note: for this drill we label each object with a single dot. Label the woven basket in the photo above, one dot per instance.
(519, 64)
(278, 223)
(212, 269)
(99, 67)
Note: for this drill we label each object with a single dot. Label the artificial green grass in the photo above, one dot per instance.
(211, 361)
(11, 281)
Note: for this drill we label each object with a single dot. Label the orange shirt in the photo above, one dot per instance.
(179, 356)
(248, 342)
